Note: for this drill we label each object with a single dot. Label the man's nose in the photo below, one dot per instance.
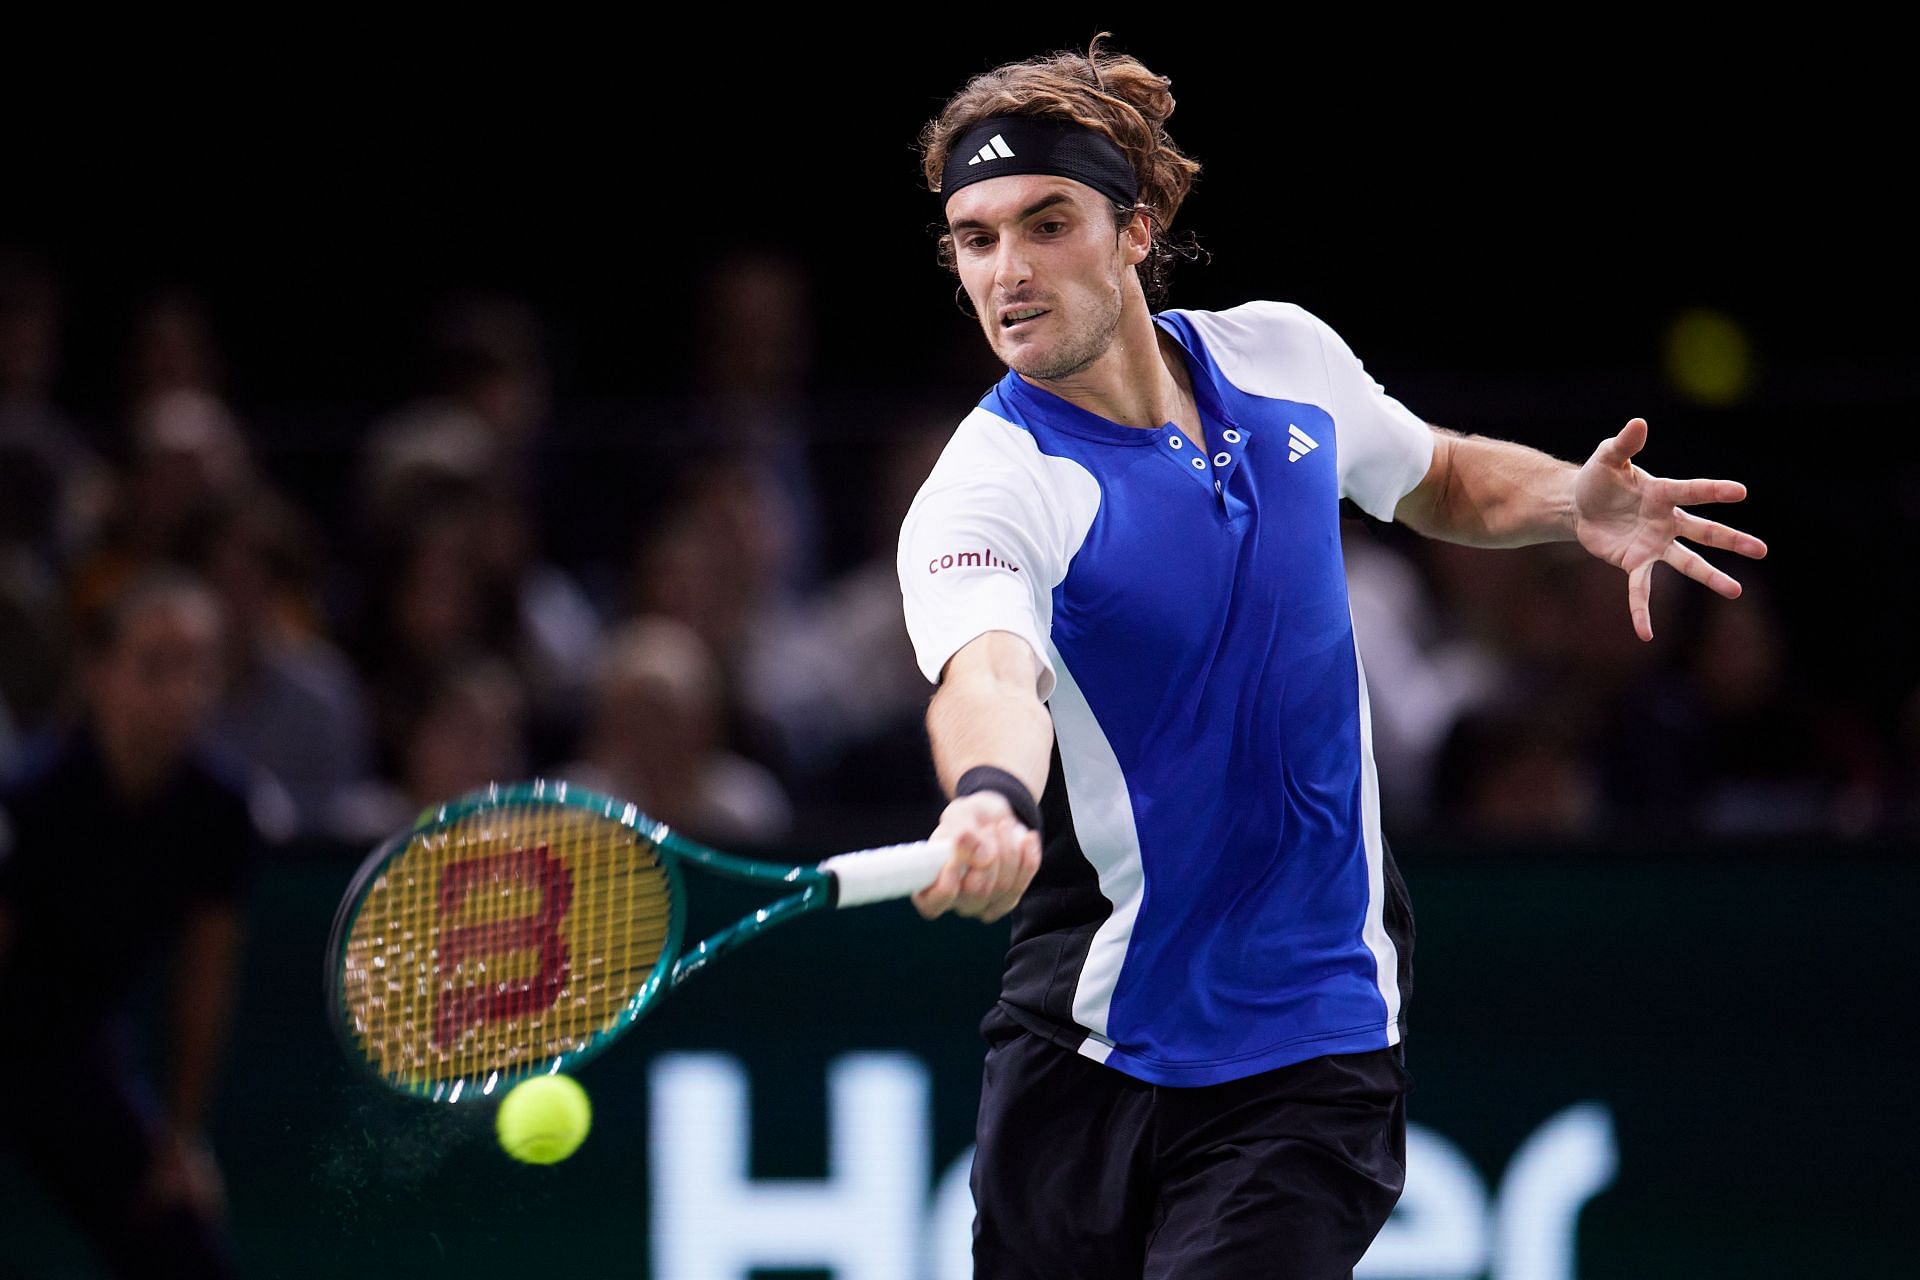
(1011, 268)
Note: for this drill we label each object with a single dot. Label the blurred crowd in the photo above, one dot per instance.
(697, 609)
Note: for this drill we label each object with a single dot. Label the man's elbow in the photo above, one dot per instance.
(1423, 508)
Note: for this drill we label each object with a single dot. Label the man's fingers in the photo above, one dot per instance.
(991, 890)
(1708, 533)
(1689, 493)
(1621, 446)
(986, 881)
(939, 897)
(1025, 866)
(1639, 594)
(1696, 566)
(994, 859)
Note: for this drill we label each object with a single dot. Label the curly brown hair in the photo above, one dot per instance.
(1112, 93)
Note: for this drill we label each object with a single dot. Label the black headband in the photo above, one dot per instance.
(1002, 145)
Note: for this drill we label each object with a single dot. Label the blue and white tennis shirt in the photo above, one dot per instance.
(1215, 898)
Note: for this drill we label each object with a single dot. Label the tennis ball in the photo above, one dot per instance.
(1709, 358)
(543, 1119)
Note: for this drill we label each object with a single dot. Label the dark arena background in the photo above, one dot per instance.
(552, 407)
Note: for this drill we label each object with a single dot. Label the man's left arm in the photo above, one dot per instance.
(1493, 493)
(205, 981)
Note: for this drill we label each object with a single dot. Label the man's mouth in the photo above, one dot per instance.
(1021, 316)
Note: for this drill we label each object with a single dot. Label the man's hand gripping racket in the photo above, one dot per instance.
(521, 929)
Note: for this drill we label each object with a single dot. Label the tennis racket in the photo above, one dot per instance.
(520, 930)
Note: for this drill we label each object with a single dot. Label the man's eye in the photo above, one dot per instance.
(1052, 225)
(975, 242)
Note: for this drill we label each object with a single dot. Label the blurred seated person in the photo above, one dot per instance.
(1520, 771)
(291, 704)
(654, 739)
(33, 646)
(186, 453)
(456, 566)
(834, 675)
(32, 324)
(122, 840)
(1731, 743)
(466, 728)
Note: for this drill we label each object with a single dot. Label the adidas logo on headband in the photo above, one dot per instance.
(1040, 144)
(996, 149)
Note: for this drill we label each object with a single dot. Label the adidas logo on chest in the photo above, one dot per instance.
(1299, 443)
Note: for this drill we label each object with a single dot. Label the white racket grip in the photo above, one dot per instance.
(879, 875)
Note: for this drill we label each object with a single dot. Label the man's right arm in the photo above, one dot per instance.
(987, 711)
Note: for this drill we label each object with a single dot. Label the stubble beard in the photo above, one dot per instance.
(1078, 350)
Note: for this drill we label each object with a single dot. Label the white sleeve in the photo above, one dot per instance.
(987, 539)
(1385, 448)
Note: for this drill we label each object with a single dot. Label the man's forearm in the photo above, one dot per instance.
(977, 724)
(203, 1003)
(1500, 494)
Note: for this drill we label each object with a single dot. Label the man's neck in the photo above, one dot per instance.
(134, 772)
(1139, 381)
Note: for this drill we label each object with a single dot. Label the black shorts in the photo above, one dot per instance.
(1084, 1173)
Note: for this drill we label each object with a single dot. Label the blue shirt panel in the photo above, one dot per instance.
(1209, 632)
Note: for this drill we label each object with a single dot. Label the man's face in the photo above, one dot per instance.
(160, 681)
(1034, 243)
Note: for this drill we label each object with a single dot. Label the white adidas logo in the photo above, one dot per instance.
(996, 149)
(1299, 443)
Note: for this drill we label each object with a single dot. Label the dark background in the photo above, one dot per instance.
(1502, 222)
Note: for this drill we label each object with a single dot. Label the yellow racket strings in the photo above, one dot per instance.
(495, 944)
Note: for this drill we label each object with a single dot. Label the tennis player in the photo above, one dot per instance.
(1124, 575)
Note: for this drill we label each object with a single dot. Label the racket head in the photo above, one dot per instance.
(516, 931)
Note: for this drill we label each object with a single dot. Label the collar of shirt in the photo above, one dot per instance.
(1064, 415)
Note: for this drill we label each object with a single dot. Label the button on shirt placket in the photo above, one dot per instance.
(1233, 440)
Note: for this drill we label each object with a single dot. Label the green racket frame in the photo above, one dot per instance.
(816, 888)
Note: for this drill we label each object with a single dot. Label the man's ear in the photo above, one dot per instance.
(1138, 238)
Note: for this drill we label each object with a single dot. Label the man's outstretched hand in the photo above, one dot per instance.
(1633, 521)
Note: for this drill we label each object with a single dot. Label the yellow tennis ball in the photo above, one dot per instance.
(544, 1119)
(1709, 357)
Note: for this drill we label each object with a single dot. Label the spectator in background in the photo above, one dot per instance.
(655, 739)
(30, 331)
(1725, 745)
(485, 407)
(752, 401)
(1424, 670)
(32, 610)
(291, 703)
(448, 579)
(1515, 770)
(476, 440)
(173, 348)
(467, 728)
(187, 453)
(126, 840)
(429, 608)
(714, 560)
(835, 674)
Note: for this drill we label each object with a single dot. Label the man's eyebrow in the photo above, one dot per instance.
(969, 224)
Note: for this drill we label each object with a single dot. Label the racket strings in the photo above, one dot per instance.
(503, 941)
